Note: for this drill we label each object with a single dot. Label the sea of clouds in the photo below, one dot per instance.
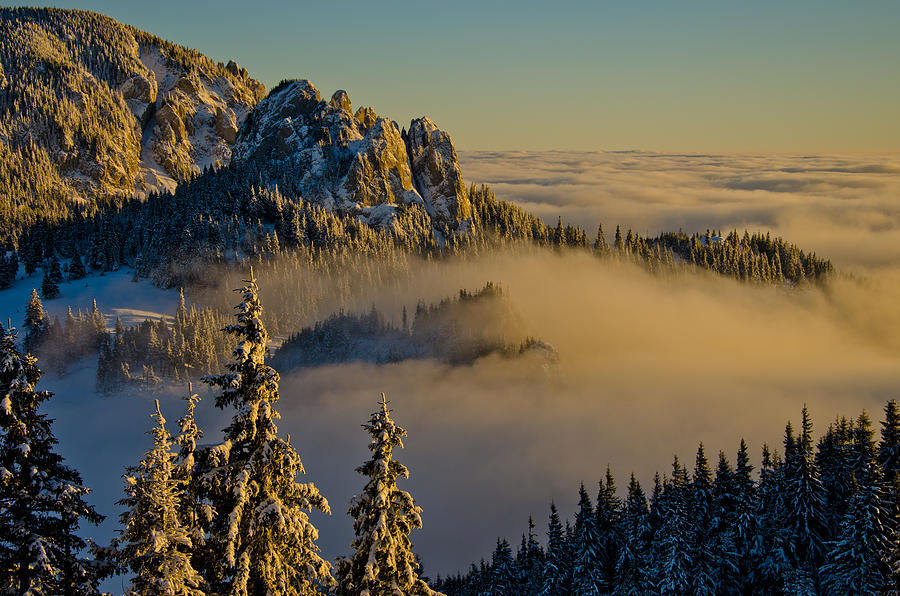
(844, 207)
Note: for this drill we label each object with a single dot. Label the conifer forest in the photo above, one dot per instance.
(205, 278)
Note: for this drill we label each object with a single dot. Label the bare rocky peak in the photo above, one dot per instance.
(355, 163)
(438, 177)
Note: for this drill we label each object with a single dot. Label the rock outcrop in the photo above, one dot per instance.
(196, 118)
(354, 163)
(438, 177)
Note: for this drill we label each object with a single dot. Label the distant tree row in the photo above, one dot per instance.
(219, 218)
(456, 331)
(817, 520)
(62, 342)
(746, 257)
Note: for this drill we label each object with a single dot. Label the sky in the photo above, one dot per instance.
(802, 76)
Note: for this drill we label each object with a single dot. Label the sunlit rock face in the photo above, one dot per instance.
(111, 111)
(354, 163)
(196, 118)
(437, 174)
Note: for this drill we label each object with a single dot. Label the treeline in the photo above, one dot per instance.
(819, 519)
(224, 518)
(455, 331)
(220, 218)
(744, 257)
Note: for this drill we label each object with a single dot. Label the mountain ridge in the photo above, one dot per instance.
(92, 109)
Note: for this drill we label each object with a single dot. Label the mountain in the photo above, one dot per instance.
(127, 149)
(91, 108)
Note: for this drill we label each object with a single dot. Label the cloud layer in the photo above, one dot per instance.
(846, 208)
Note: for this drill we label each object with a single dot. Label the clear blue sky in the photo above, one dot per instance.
(648, 74)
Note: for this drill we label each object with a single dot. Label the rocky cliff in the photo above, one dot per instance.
(355, 162)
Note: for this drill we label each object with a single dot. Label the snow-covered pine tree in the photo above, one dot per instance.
(49, 287)
(674, 554)
(76, 267)
(383, 562)
(195, 513)
(586, 566)
(889, 461)
(608, 514)
(632, 568)
(154, 544)
(502, 580)
(741, 527)
(261, 535)
(804, 510)
(704, 560)
(529, 562)
(37, 323)
(555, 573)
(42, 501)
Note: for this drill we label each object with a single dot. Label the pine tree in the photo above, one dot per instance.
(383, 562)
(195, 513)
(36, 323)
(42, 501)
(601, 248)
(586, 570)
(49, 287)
(154, 544)
(556, 570)
(608, 514)
(704, 563)
(261, 534)
(76, 267)
(674, 537)
(804, 504)
(632, 567)
(889, 462)
(502, 581)
(858, 560)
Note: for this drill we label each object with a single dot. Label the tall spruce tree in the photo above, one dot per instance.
(154, 543)
(632, 567)
(502, 580)
(49, 287)
(889, 461)
(803, 500)
(586, 564)
(703, 512)
(261, 534)
(555, 574)
(42, 501)
(37, 323)
(608, 514)
(383, 562)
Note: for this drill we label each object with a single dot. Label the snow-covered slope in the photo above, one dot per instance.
(118, 294)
